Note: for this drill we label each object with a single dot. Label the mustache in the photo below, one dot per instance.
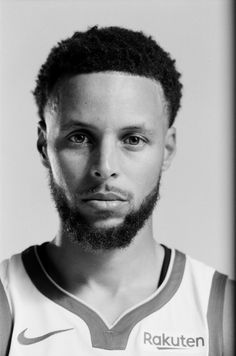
(104, 189)
(92, 189)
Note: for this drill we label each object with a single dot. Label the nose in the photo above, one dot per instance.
(105, 160)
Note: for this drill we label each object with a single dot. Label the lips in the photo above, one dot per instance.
(104, 202)
(104, 197)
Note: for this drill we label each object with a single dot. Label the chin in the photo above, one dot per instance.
(107, 224)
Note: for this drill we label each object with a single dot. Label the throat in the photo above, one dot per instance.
(112, 308)
(113, 299)
(111, 305)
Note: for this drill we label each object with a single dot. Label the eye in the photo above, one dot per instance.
(134, 140)
(79, 138)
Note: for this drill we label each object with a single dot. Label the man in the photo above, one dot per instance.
(107, 100)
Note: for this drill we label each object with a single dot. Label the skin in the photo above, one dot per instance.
(229, 319)
(107, 130)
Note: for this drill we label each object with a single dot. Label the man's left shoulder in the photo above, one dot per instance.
(229, 318)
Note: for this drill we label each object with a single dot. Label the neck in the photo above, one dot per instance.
(113, 270)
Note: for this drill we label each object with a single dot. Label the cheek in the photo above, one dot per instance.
(68, 168)
(145, 171)
(148, 176)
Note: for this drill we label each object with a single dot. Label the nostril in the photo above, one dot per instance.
(103, 175)
(97, 174)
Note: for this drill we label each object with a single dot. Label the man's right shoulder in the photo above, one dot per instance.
(7, 265)
(12, 269)
(11, 272)
(6, 320)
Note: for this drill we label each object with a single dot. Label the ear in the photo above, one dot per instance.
(42, 143)
(170, 148)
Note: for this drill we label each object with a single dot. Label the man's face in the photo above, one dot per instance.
(107, 140)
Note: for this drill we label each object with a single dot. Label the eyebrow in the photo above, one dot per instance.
(72, 123)
(137, 128)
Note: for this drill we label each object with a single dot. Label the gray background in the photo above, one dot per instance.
(195, 210)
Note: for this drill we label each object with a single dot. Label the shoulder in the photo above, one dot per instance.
(220, 311)
(7, 266)
(228, 318)
(6, 320)
(12, 270)
(8, 271)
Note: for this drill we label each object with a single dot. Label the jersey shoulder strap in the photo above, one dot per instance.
(215, 314)
(6, 320)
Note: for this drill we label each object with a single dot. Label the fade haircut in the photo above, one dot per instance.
(109, 49)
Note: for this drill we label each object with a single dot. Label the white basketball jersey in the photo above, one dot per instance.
(183, 316)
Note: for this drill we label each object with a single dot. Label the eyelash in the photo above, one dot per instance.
(139, 139)
(76, 135)
(89, 141)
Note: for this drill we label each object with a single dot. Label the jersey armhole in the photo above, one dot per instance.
(6, 322)
(215, 314)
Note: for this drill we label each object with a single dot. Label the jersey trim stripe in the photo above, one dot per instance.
(103, 337)
(170, 257)
(215, 314)
(6, 322)
(165, 265)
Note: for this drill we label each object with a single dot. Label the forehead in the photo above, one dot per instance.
(108, 95)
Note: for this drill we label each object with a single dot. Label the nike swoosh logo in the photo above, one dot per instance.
(24, 340)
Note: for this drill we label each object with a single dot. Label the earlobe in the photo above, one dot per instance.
(170, 148)
(42, 144)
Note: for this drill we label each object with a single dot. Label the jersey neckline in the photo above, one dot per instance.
(104, 336)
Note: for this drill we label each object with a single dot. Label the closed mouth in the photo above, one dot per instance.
(103, 197)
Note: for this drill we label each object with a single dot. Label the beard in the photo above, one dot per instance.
(94, 239)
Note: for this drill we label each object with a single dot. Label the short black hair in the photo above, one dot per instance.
(109, 49)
